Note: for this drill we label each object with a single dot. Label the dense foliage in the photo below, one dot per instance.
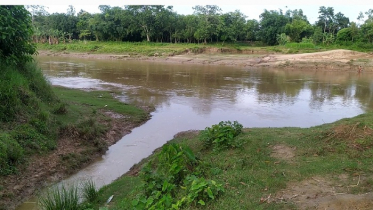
(208, 23)
(15, 35)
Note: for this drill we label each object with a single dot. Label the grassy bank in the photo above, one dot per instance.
(47, 130)
(134, 49)
(266, 168)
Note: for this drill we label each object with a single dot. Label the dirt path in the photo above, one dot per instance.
(334, 60)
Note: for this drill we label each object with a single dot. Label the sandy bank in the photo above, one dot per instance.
(344, 60)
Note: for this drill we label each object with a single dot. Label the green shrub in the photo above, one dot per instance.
(171, 182)
(31, 139)
(200, 190)
(11, 153)
(175, 161)
(221, 135)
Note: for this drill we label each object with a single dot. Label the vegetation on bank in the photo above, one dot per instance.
(35, 117)
(135, 49)
(207, 24)
(248, 171)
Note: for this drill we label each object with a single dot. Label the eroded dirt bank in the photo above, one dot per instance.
(72, 154)
(334, 60)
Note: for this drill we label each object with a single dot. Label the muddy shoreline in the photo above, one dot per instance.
(333, 60)
(43, 170)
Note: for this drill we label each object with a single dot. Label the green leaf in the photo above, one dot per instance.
(201, 202)
(209, 193)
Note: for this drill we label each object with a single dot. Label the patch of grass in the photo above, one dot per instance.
(61, 197)
(89, 191)
(251, 173)
(88, 102)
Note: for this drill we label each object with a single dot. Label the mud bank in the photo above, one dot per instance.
(334, 60)
(71, 154)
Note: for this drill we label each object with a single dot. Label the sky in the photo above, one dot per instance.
(250, 8)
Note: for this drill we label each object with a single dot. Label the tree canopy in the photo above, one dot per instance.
(159, 23)
(15, 34)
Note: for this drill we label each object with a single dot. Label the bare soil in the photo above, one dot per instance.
(330, 193)
(283, 152)
(322, 193)
(42, 170)
(333, 60)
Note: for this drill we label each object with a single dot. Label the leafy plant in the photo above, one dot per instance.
(221, 135)
(163, 181)
(282, 39)
(200, 190)
(176, 161)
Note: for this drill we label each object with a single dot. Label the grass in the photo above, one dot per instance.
(250, 173)
(61, 197)
(134, 49)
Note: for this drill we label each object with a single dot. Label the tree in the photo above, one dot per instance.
(208, 22)
(15, 35)
(252, 28)
(298, 29)
(231, 26)
(272, 23)
(326, 16)
(145, 18)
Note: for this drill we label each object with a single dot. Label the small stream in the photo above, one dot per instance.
(188, 97)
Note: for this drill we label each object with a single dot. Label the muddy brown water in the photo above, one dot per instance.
(191, 96)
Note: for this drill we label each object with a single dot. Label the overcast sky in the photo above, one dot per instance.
(252, 9)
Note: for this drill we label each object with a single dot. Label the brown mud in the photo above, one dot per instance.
(71, 154)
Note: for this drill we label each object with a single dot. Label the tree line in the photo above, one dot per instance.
(159, 23)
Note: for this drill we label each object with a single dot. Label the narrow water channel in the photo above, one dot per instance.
(189, 97)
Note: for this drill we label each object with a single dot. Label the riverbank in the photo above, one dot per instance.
(333, 60)
(87, 123)
(322, 167)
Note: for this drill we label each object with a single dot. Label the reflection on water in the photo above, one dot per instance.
(196, 96)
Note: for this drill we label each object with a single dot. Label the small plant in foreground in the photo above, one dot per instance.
(89, 191)
(221, 135)
(62, 197)
(171, 182)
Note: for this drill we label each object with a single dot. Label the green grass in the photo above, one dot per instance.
(250, 173)
(61, 197)
(134, 49)
(89, 102)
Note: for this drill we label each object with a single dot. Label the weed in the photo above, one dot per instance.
(60, 108)
(221, 135)
(62, 197)
(89, 191)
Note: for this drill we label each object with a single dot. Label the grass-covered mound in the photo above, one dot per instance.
(260, 168)
(26, 104)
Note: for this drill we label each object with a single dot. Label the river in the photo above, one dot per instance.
(188, 97)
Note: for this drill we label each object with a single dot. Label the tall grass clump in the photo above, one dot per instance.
(89, 191)
(60, 198)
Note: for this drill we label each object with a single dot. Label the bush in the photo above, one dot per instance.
(221, 135)
(11, 153)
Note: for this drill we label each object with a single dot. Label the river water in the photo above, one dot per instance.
(194, 96)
